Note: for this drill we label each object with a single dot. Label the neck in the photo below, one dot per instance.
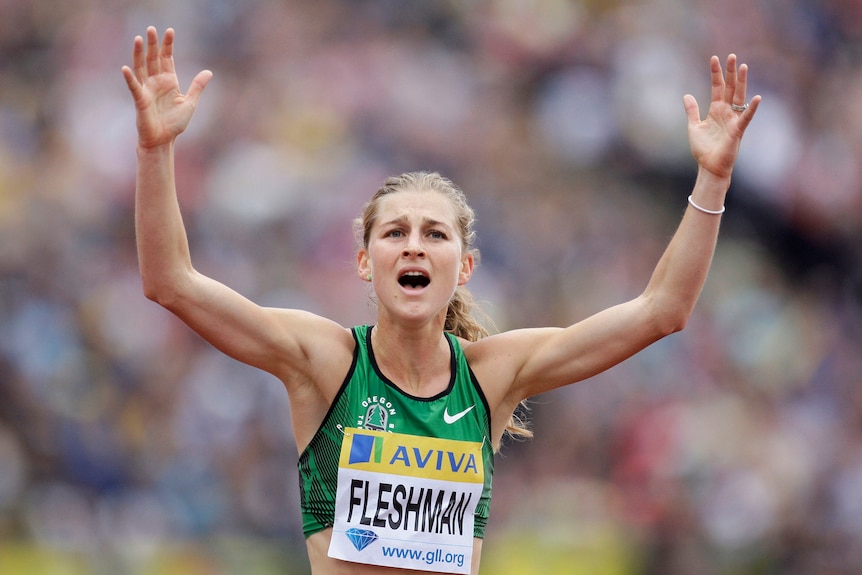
(415, 359)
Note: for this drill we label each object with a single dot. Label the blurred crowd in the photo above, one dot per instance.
(127, 445)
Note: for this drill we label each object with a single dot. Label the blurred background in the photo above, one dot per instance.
(129, 446)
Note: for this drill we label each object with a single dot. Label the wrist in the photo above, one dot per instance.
(155, 150)
(712, 179)
(709, 211)
(709, 192)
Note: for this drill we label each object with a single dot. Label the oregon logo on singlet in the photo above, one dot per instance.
(407, 501)
(378, 410)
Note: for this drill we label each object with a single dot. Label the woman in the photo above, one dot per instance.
(397, 423)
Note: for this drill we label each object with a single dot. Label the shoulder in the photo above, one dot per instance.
(315, 348)
(497, 360)
(506, 346)
(326, 340)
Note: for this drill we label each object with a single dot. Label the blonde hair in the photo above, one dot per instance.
(460, 315)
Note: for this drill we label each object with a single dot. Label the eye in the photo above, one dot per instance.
(394, 233)
(437, 235)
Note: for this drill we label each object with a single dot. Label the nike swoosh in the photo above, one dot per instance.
(450, 419)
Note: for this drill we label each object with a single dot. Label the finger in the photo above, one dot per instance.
(152, 51)
(717, 79)
(167, 52)
(138, 59)
(132, 82)
(692, 111)
(730, 86)
(197, 86)
(746, 116)
(741, 84)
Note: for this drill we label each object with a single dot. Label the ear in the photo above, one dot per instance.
(467, 263)
(363, 265)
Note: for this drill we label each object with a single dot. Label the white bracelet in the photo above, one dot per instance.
(704, 210)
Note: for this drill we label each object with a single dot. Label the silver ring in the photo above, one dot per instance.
(738, 108)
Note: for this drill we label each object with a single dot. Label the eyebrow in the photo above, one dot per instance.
(426, 221)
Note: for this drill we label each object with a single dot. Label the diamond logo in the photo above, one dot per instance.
(361, 538)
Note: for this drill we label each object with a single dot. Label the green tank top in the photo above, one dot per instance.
(368, 400)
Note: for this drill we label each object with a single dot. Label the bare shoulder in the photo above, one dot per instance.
(315, 349)
(314, 331)
(497, 360)
(506, 347)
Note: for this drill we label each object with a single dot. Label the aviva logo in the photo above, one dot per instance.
(365, 448)
(413, 456)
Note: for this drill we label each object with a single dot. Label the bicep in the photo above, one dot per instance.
(276, 340)
(556, 357)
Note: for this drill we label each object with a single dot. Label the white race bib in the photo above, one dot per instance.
(407, 501)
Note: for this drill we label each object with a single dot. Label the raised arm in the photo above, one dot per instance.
(282, 342)
(680, 274)
(163, 113)
(543, 359)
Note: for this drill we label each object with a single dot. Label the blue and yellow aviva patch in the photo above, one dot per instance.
(413, 456)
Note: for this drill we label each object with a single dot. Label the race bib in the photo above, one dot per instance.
(406, 501)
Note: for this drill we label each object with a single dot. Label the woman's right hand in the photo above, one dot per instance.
(163, 112)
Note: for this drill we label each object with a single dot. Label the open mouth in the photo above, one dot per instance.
(414, 280)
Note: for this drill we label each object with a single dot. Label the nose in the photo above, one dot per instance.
(414, 247)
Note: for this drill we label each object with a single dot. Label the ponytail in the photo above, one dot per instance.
(459, 317)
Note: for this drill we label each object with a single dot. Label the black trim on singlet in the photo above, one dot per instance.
(341, 389)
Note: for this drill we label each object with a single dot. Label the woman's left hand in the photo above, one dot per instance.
(715, 140)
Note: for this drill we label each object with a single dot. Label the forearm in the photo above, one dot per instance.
(681, 272)
(163, 250)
